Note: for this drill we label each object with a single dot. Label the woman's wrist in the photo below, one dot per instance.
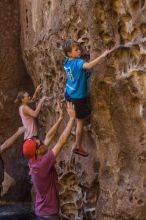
(61, 118)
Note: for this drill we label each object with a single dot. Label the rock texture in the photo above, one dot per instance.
(13, 78)
(111, 181)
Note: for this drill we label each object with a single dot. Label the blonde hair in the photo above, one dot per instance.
(20, 96)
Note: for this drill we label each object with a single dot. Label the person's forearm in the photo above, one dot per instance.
(93, 63)
(38, 89)
(10, 141)
(36, 93)
(34, 96)
(52, 132)
(63, 138)
(38, 108)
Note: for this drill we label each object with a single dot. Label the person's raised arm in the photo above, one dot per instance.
(34, 113)
(93, 63)
(52, 132)
(63, 138)
(10, 141)
(38, 89)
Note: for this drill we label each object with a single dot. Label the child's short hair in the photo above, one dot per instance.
(68, 44)
(20, 96)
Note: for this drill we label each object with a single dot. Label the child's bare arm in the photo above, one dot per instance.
(10, 141)
(34, 113)
(91, 64)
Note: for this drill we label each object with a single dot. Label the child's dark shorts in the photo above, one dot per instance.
(81, 106)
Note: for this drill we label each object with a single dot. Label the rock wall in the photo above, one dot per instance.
(13, 78)
(110, 184)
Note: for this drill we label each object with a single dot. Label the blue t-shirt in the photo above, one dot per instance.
(76, 86)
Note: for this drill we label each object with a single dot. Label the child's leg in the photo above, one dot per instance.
(82, 111)
(79, 133)
(79, 137)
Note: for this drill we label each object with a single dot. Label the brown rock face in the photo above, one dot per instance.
(13, 78)
(112, 179)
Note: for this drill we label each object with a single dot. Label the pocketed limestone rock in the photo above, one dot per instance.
(112, 180)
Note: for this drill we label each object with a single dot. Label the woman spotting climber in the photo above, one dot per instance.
(28, 115)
